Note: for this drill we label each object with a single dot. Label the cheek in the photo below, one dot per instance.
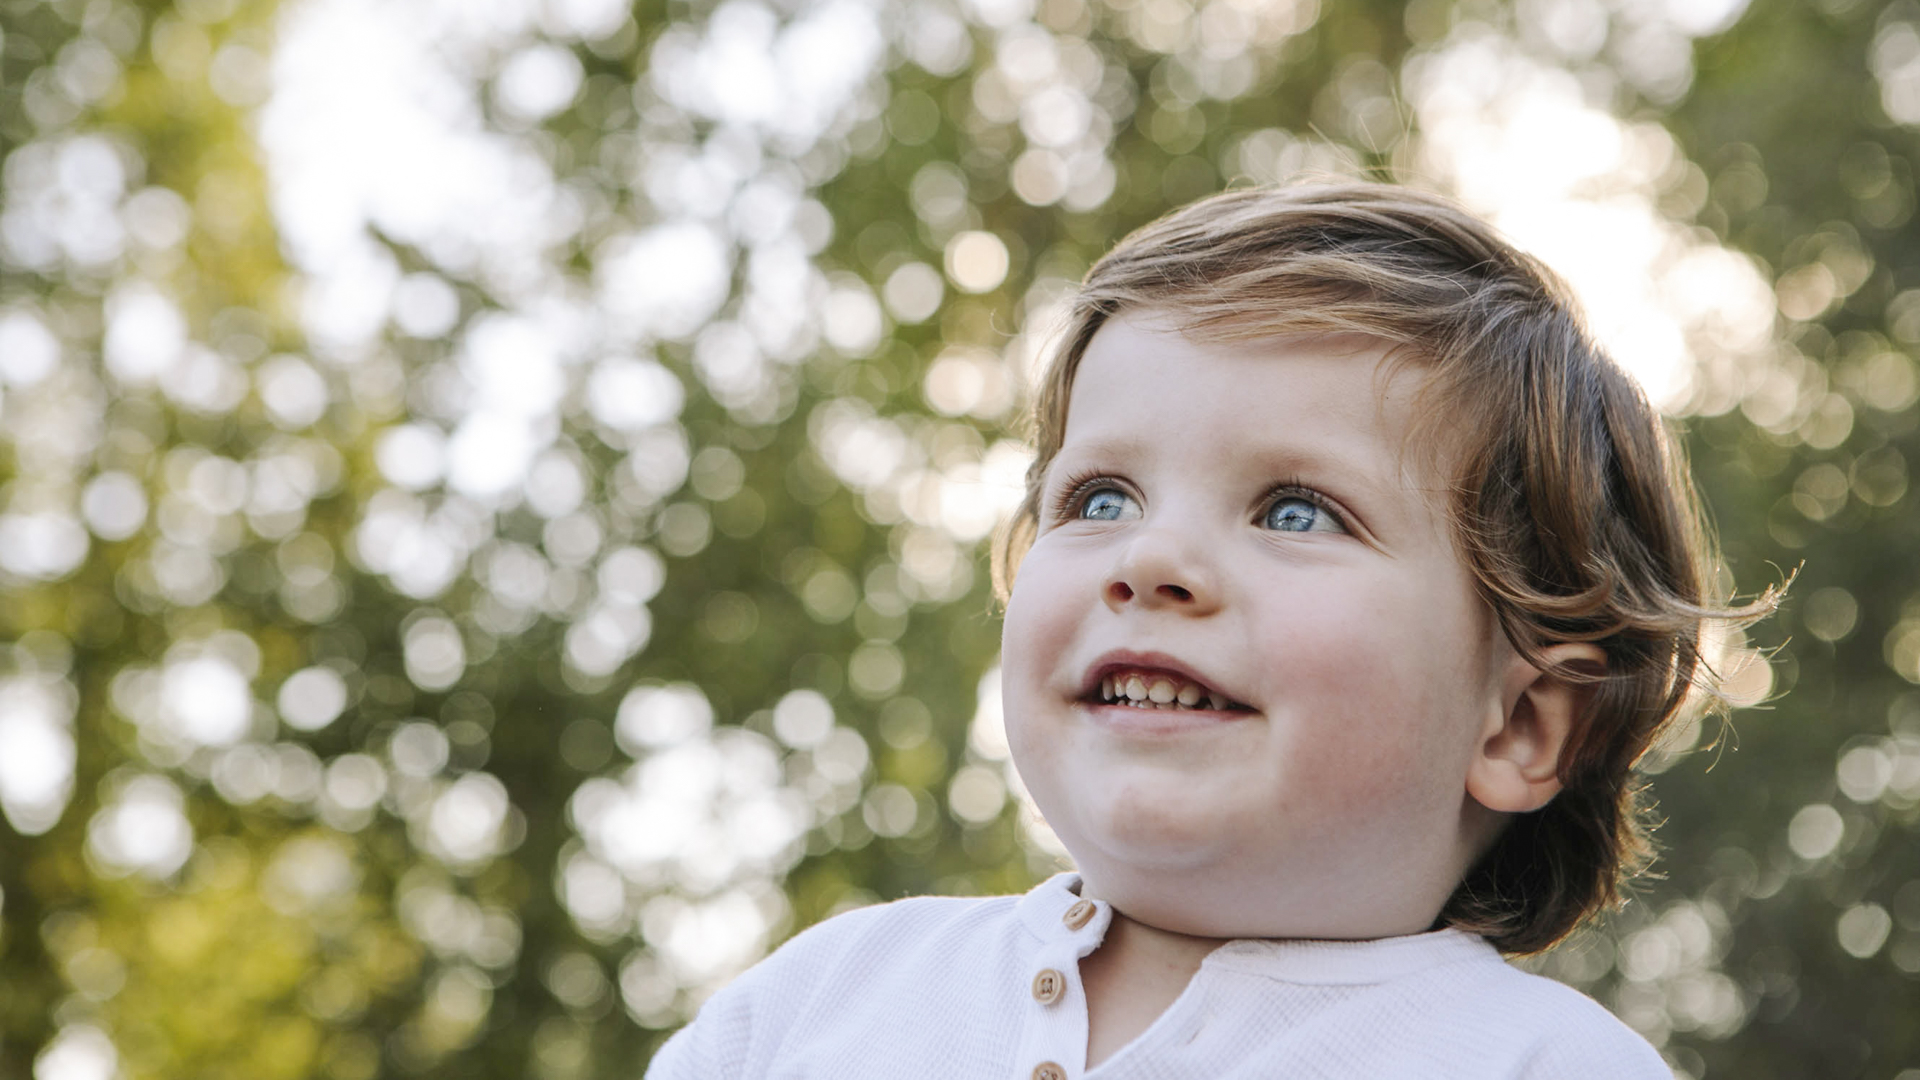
(1048, 599)
(1023, 638)
(1381, 678)
(1034, 635)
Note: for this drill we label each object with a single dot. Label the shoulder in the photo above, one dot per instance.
(1557, 1032)
(915, 913)
(915, 924)
(835, 970)
(1432, 1005)
(848, 948)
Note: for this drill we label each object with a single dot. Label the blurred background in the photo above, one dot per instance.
(492, 492)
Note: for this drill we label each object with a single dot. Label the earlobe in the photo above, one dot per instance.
(1516, 767)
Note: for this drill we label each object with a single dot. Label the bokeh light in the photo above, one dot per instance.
(492, 497)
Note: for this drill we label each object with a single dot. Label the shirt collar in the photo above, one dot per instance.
(1052, 912)
(1350, 963)
(1048, 913)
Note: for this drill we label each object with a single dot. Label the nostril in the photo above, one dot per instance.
(1121, 590)
(1176, 592)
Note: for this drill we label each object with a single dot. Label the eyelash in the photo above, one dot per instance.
(1074, 490)
(1078, 486)
(1292, 488)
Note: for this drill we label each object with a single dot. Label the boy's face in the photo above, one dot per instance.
(1239, 522)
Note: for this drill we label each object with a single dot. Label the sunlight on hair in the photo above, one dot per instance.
(1741, 676)
(1595, 197)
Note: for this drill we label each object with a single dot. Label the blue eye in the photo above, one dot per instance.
(1295, 514)
(1109, 504)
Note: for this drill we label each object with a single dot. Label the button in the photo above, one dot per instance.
(1048, 986)
(1047, 1070)
(1079, 915)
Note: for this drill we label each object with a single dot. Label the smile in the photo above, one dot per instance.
(1159, 690)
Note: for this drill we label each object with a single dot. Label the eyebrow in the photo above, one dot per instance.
(1277, 460)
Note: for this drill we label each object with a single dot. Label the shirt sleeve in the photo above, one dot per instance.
(1600, 1048)
(742, 1027)
(714, 1045)
(679, 1058)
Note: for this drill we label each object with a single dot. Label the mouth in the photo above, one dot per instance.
(1154, 683)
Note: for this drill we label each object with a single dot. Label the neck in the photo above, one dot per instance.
(1133, 976)
(1163, 949)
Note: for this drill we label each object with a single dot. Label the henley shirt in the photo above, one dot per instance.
(989, 989)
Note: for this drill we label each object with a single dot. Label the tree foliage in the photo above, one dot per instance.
(492, 499)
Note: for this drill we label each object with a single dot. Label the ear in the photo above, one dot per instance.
(1516, 767)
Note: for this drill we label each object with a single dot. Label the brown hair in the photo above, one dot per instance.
(1571, 503)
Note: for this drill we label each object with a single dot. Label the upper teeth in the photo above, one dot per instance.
(1157, 692)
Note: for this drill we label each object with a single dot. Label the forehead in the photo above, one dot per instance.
(1343, 396)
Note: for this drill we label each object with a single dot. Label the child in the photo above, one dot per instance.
(1351, 580)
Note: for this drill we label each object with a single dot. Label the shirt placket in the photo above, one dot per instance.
(1053, 1037)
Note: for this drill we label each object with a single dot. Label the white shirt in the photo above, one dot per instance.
(990, 988)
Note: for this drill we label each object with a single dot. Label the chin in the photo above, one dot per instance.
(1156, 844)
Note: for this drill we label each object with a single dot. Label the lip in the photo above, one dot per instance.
(1124, 660)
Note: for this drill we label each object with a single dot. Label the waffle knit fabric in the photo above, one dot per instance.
(990, 988)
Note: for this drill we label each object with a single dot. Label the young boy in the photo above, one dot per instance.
(1351, 580)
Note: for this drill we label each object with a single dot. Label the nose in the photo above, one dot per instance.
(1163, 568)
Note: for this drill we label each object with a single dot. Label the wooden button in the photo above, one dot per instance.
(1078, 915)
(1048, 986)
(1047, 1070)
